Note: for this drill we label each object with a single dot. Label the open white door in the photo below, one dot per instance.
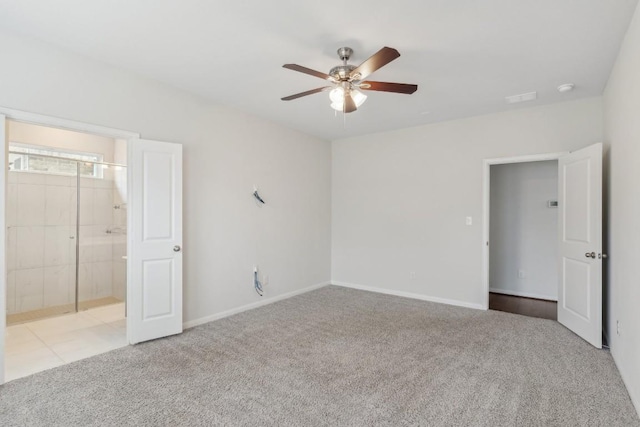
(580, 238)
(154, 305)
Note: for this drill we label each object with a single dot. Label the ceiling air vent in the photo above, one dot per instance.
(524, 97)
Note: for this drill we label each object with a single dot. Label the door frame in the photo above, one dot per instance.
(486, 206)
(56, 122)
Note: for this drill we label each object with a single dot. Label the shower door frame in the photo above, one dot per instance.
(78, 177)
(55, 122)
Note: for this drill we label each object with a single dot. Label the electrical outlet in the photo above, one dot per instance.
(617, 327)
(522, 274)
(469, 220)
(412, 275)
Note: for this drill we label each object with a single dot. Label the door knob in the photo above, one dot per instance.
(590, 255)
(176, 248)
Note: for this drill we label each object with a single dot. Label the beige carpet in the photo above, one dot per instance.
(337, 357)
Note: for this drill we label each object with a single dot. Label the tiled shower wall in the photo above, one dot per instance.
(41, 239)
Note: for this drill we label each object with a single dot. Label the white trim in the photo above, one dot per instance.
(523, 294)
(262, 302)
(410, 295)
(130, 215)
(635, 399)
(525, 159)
(486, 204)
(3, 247)
(57, 122)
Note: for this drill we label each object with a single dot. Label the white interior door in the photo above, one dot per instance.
(580, 248)
(154, 304)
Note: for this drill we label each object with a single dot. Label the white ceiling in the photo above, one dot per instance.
(465, 55)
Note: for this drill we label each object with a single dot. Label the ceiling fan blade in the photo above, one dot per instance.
(389, 87)
(349, 104)
(375, 62)
(300, 68)
(309, 92)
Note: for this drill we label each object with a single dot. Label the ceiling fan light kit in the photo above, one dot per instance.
(348, 81)
(337, 98)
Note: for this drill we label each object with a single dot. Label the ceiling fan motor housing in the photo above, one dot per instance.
(341, 72)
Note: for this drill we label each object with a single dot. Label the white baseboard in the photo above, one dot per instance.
(635, 398)
(522, 294)
(262, 302)
(410, 295)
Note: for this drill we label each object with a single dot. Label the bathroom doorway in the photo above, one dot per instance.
(66, 246)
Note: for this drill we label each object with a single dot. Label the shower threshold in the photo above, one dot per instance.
(58, 310)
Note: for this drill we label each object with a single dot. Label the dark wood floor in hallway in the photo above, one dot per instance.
(526, 306)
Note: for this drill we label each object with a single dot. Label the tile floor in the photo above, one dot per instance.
(57, 310)
(44, 344)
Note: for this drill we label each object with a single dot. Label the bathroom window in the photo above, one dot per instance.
(40, 159)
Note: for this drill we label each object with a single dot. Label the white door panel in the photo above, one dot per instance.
(155, 255)
(577, 297)
(580, 243)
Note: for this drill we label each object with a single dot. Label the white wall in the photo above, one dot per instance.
(400, 198)
(524, 230)
(225, 153)
(622, 132)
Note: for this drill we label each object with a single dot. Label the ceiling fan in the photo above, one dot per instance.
(348, 81)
